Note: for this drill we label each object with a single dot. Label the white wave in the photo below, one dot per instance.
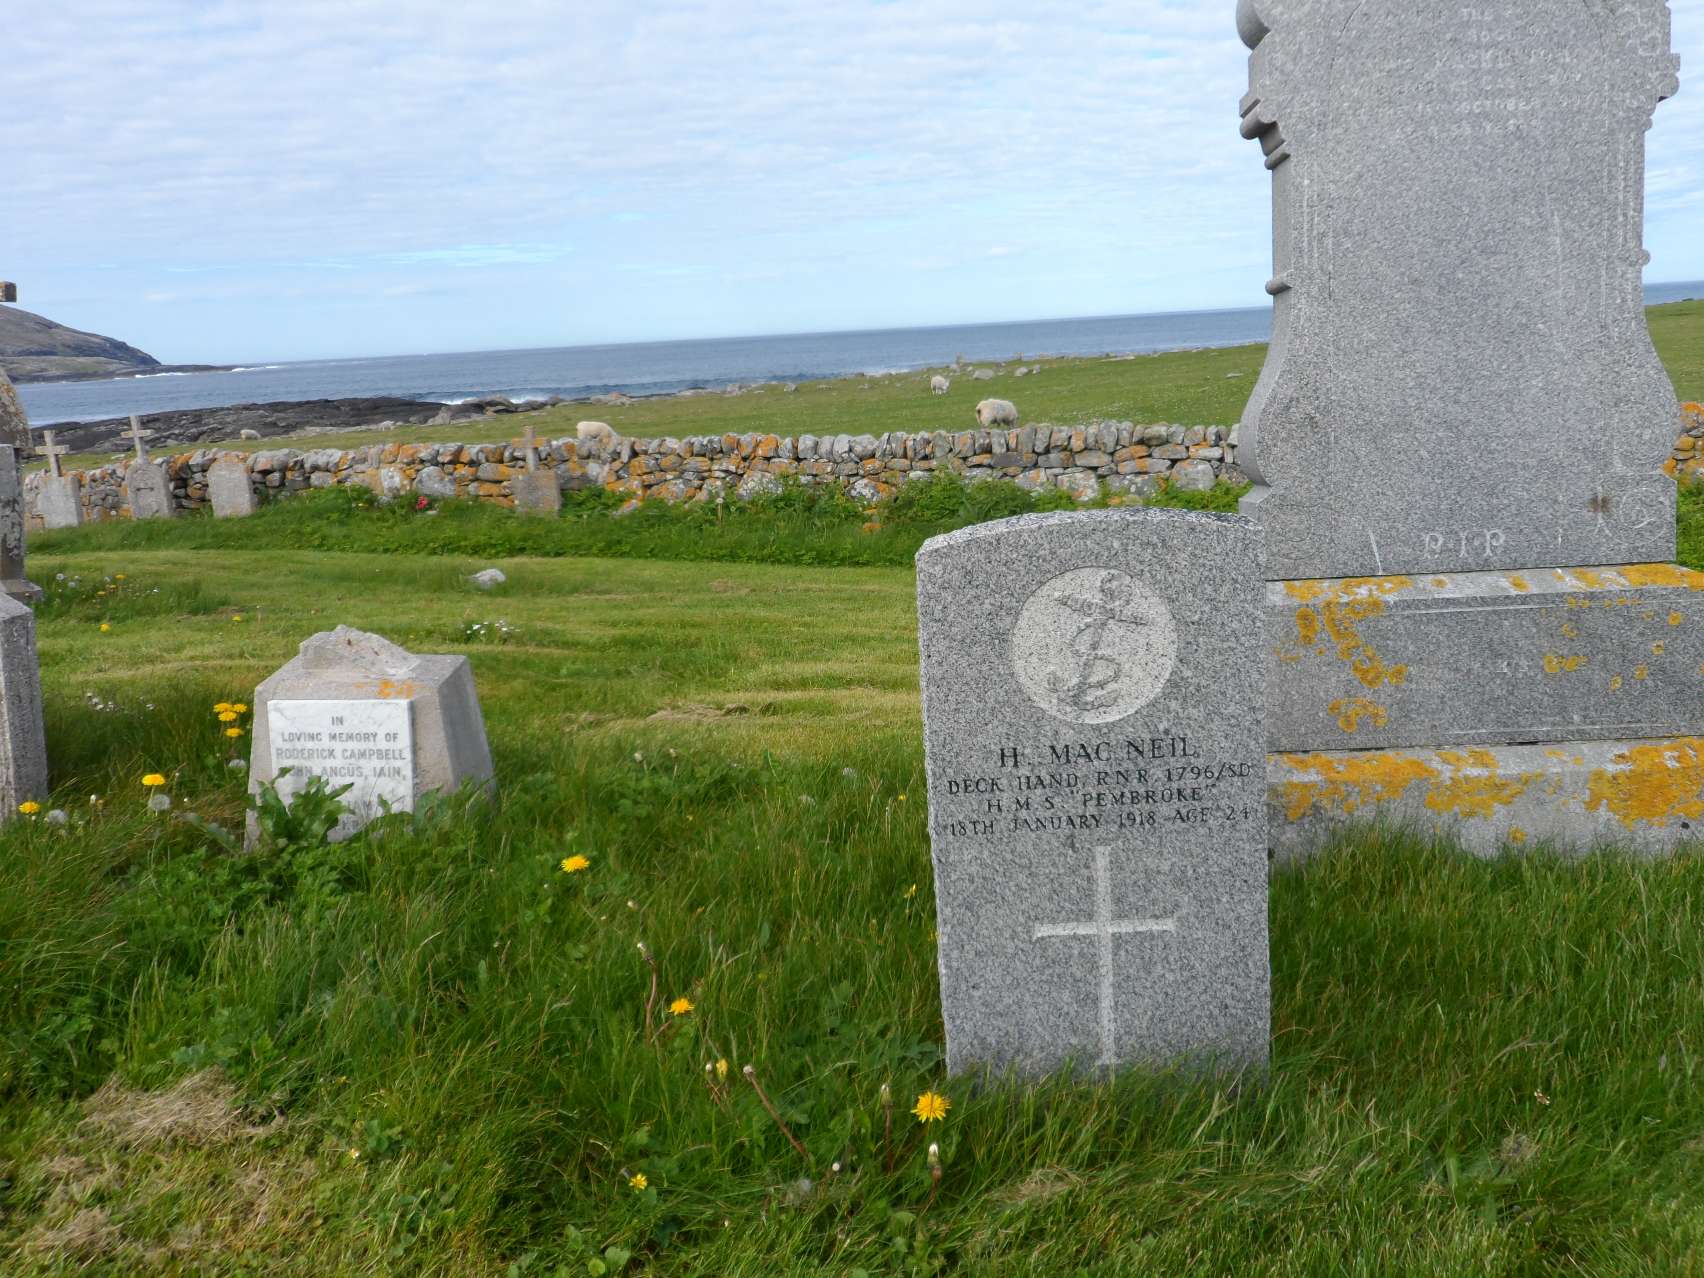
(254, 368)
(137, 377)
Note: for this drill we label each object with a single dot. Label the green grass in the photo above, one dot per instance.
(1187, 387)
(1478, 1068)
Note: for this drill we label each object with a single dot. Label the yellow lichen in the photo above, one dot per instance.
(1349, 711)
(1662, 575)
(1305, 591)
(1615, 683)
(1657, 649)
(1348, 783)
(1655, 782)
(1675, 618)
(1474, 788)
(1519, 583)
(1570, 630)
(1641, 672)
(1307, 627)
(1554, 664)
(1517, 835)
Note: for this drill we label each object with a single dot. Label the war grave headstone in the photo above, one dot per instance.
(1096, 778)
(230, 491)
(535, 490)
(358, 710)
(149, 486)
(1458, 440)
(59, 500)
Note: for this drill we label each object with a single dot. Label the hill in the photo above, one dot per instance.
(34, 348)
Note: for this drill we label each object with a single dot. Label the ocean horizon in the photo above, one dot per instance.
(661, 368)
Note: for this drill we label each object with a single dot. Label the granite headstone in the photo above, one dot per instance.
(150, 491)
(23, 741)
(59, 500)
(535, 491)
(230, 491)
(1460, 378)
(358, 710)
(1096, 770)
(12, 578)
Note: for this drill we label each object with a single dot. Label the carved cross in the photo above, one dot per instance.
(52, 453)
(1103, 927)
(137, 435)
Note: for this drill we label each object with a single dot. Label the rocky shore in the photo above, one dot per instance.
(280, 419)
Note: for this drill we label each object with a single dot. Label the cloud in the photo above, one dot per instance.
(609, 169)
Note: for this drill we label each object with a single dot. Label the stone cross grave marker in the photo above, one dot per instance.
(14, 423)
(12, 578)
(358, 710)
(535, 490)
(59, 501)
(1460, 375)
(1092, 707)
(229, 489)
(150, 487)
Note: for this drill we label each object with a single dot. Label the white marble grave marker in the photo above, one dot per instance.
(367, 745)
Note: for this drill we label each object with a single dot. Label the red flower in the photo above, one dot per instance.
(422, 503)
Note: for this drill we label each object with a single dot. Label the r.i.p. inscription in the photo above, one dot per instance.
(1096, 790)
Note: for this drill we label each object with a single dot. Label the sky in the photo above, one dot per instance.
(292, 179)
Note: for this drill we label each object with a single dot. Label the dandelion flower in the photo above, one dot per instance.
(118, 576)
(240, 708)
(902, 798)
(153, 778)
(931, 1107)
(574, 864)
(105, 627)
(222, 708)
(233, 732)
(229, 716)
(638, 1180)
(722, 1068)
(29, 808)
(681, 1006)
(237, 617)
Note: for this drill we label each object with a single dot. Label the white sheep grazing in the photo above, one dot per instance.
(996, 412)
(593, 430)
(939, 384)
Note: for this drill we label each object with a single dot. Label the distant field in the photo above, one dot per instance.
(1187, 387)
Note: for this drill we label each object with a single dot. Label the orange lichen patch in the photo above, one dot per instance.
(1581, 577)
(1675, 618)
(1657, 649)
(1570, 630)
(1656, 782)
(1440, 582)
(1307, 627)
(1347, 784)
(1641, 672)
(1351, 602)
(1474, 788)
(1349, 711)
(1662, 575)
(1554, 664)
(1615, 683)
(1517, 836)
(1519, 583)
(1305, 591)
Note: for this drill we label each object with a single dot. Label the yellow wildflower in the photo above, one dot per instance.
(354, 1153)
(681, 1006)
(118, 576)
(237, 617)
(638, 1180)
(233, 732)
(224, 707)
(722, 1068)
(29, 808)
(931, 1107)
(240, 708)
(105, 627)
(910, 891)
(229, 716)
(574, 864)
(153, 778)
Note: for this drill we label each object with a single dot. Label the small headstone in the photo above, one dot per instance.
(150, 488)
(534, 490)
(229, 490)
(1092, 713)
(12, 578)
(358, 710)
(59, 500)
(23, 742)
(1460, 377)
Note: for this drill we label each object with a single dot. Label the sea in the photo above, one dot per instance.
(660, 368)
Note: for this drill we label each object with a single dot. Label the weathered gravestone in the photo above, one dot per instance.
(12, 578)
(59, 500)
(1459, 437)
(1092, 725)
(14, 424)
(535, 490)
(1460, 375)
(23, 742)
(149, 486)
(229, 489)
(358, 710)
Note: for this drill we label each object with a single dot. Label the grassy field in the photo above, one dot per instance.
(428, 1051)
(1187, 387)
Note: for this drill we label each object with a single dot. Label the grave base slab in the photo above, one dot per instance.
(1645, 795)
(1485, 658)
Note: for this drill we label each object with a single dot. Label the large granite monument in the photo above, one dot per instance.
(1096, 790)
(1458, 440)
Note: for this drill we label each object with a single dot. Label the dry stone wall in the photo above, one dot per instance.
(1119, 457)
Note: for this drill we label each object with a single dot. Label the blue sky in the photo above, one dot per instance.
(291, 179)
